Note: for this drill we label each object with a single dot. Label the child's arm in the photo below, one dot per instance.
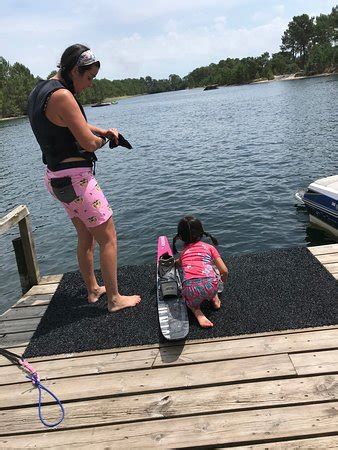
(219, 263)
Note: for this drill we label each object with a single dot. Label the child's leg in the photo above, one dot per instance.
(216, 302)
(211, 292)
(202, 320)
(193, 291)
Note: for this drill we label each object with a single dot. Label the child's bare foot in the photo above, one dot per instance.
(216, 302)
(202, 320)
(123, 301)
(96, 294)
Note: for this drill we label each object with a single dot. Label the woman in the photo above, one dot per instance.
(68, 143)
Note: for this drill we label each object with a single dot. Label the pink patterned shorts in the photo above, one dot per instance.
(196, 290)
(80, 194)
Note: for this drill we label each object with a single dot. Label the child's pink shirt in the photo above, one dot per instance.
(197, 260)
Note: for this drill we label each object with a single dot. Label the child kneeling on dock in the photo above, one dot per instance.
(200, 281)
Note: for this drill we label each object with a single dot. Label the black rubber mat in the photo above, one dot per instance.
(268, 291)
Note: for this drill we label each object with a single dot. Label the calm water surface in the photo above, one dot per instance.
(234, 157)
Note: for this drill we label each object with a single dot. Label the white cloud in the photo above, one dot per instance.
(131, 11)
(189, 48)
(136, 38)
(268, 14)
(35, 24)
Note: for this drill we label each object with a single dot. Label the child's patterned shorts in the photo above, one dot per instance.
(196, 290)
(80, 194)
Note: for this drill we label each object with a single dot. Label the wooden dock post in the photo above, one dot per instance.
(24, 246)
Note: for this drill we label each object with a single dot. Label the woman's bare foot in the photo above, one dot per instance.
(123, 301)
(216, 302)
(96, 294)
(202, 320)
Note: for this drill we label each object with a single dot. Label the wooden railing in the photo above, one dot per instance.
(24, 247)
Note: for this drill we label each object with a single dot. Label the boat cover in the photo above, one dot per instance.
(327, 186)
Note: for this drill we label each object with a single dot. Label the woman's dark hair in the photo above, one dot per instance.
(190, 230)
(69, 59)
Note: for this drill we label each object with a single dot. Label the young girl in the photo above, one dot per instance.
(197, 259)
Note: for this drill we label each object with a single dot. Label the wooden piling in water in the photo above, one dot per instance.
(24, 246)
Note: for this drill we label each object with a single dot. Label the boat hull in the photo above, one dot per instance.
(322, 207)
(316, 222)
(321, 201)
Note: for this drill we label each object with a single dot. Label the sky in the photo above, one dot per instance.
(138, 38)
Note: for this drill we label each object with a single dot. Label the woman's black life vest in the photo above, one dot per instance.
(56, 143)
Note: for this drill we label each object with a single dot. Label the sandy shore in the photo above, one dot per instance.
(293, 77)
(2, 119)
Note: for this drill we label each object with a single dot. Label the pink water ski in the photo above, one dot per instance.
(172, 310)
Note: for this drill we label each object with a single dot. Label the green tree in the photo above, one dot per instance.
(281, 63)
(176, 82)
(298, 37)
(4, 70)
(320, 58)
(240, 74)
(51, 75)
(16, 84)
(198, 77)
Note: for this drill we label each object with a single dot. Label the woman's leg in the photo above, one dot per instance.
(85, 256)
(105, 235)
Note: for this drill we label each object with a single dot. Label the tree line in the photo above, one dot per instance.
(308, 48)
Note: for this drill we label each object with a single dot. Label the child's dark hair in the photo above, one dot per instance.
(190, 230)
(69, 59)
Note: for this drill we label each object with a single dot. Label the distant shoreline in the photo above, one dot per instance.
(5, 119)
(287, 77)
(122, 97)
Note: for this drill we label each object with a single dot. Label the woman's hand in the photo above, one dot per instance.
(112, 133)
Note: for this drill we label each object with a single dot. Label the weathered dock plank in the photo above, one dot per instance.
(16, 326)
(29, 312)
(317, 362)
(176, 403)
(50, 279)
(328, 258)
(42, 289)
(264, 345)
(111, 361)
(33, 300)
(324, 249)
(215, 430)
(85, 365)
(332, 268)
(12, 340)
(129, 382)
(321, 443)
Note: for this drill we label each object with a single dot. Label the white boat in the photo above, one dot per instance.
(321, 201)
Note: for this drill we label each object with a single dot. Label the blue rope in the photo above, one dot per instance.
(35, 380)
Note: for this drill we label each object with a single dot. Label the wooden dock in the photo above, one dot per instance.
(264, 391)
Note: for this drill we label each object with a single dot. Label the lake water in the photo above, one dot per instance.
(234, 157)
